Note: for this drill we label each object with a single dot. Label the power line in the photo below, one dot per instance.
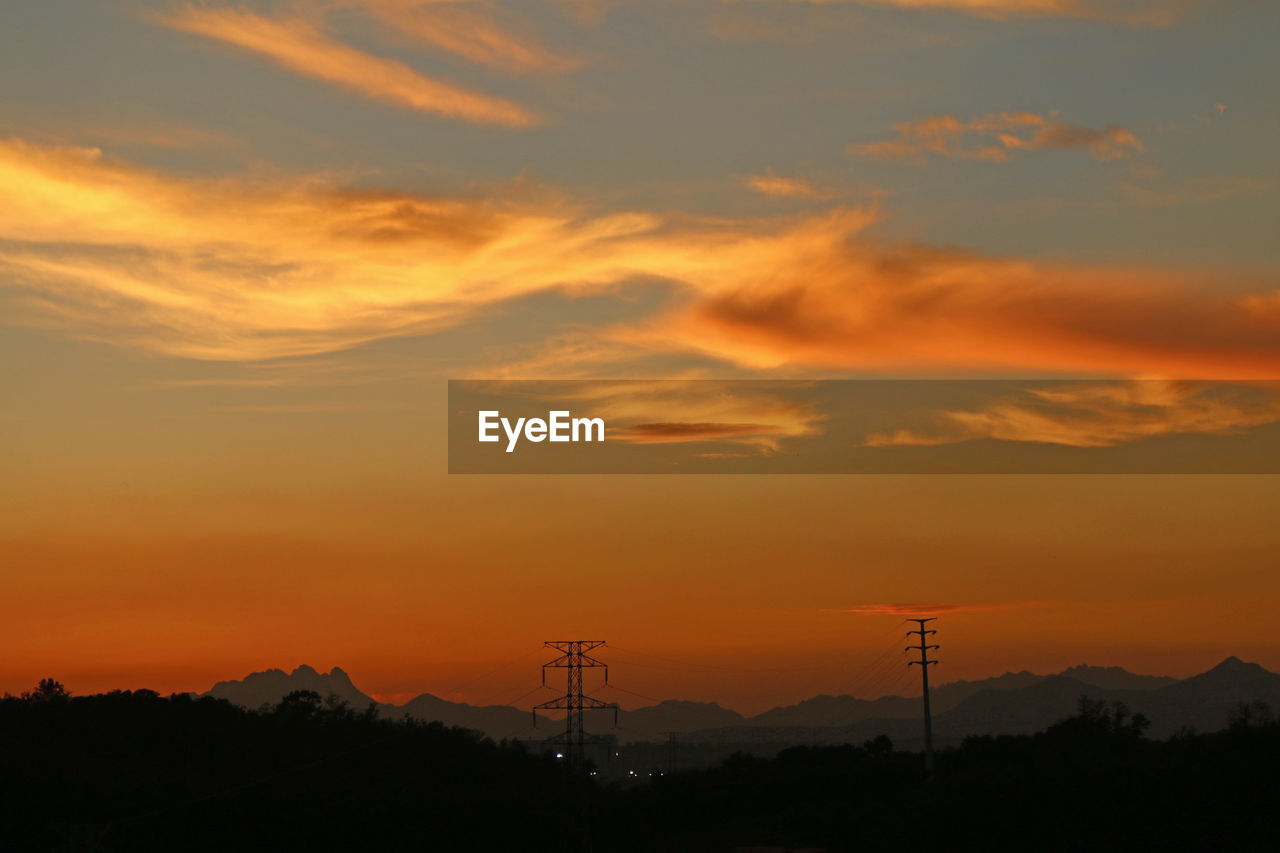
(888, 661)
(676, 664)
(633, 693)
(482, 676)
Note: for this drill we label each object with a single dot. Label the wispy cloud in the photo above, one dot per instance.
(1134, 12)
(821, 296)
(781, 187)
(996, 137)
(588, 13)
(171, 136)
(302, 47)
(1101, 415)
(688, 411)
(255, 269)
(469, 32)
(930, 609)
(1196, 190)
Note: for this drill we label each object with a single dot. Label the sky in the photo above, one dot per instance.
(244, 246)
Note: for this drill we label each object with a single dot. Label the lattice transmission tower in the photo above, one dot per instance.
(574, 658)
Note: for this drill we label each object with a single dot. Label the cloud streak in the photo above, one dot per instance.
(1100, 415)
(302, 47)
(997, 137)
(1133, 12)
(837, 301)
(930, 609)
(696, 411)
(468, 33)
(255, 269)
(260, 269)
(777, 186)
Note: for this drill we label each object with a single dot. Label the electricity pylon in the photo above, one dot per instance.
(574, 659)
(924, 663)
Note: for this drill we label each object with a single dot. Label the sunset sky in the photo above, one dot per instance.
(244, 245)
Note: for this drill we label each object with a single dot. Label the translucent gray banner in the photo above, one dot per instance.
(673, 426)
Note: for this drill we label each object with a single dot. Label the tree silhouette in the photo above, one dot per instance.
(46, 691)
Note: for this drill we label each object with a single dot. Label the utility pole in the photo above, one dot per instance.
(574, 658)
(576, 831)
(924, 663)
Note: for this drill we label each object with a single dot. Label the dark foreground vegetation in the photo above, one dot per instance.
(133, 771)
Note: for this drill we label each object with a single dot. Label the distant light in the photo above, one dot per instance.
(559, 755)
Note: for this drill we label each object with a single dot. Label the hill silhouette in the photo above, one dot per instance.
(1012, 703)
(269, 687)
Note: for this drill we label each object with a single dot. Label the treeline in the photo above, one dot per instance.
(130, 771)
(134, 771)
(1091, 782)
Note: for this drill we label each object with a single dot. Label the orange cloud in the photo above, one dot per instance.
(826, 299)
(694, 411)
(995, 136)
(780, 187)
(468, 33)
(1101, 415)
(1197, 190)
(681, 431)
(930, 609)
(302, 47)
(587, 13)
(163, 135)
(255, 269)
(1134, 12)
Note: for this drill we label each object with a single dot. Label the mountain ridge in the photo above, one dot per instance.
(1010, 703)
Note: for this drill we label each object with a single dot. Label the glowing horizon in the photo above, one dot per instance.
(245, 243)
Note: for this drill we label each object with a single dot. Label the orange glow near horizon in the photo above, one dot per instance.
(244, 247)
(363, 581)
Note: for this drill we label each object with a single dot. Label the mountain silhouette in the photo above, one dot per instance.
(496, 721)
(1117, 678)
(269, 687)
(674, 715)
(1012, 703)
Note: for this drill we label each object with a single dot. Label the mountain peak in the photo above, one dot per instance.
(1115, 677)
(1234, 664)
(687, 704)
(270, 686)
